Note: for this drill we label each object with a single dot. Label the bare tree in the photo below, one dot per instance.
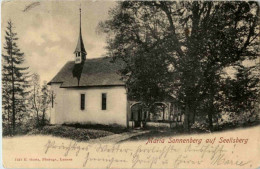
(46, 98)
(36, 97)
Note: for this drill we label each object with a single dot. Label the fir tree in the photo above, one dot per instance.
(15, 80)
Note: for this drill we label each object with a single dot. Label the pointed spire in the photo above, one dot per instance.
(80, 19)
(80, 46)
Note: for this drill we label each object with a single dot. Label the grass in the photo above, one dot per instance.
(84, 132)
(80, 134)
(114, 128)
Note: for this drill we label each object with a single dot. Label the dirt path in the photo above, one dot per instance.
(232, 155)
(116, 138)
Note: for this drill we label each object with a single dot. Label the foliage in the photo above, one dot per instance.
(182, 49)
(40, 99)
(132, 29)
(243, 91)
(46, 99)
(15, 82)
(36, 96)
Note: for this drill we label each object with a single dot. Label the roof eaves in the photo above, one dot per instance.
(49, 83)
(90, 86)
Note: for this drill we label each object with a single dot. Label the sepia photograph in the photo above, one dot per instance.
(130, 84)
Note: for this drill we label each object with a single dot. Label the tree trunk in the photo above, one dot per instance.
(193, 114)
(13, 98)
(193, 117)
(43, 117)
(36, 107)
(8, 121)
(211, 110)
(210, 120)
(186, 119)
(163, 112)
(37, 118)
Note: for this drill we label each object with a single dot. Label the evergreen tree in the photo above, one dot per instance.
(6, 104)
(15, 80)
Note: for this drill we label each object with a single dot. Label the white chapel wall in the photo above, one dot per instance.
(67, 105)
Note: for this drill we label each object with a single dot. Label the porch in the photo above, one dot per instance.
(162, 114)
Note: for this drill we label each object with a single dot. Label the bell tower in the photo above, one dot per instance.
(80, 52)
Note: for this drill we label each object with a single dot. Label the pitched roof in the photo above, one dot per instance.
(96, 72)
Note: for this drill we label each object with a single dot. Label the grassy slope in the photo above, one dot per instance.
(79, 133)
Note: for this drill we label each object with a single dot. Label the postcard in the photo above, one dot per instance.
(130, 84)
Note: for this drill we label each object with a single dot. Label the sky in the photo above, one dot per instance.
(48, 31)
